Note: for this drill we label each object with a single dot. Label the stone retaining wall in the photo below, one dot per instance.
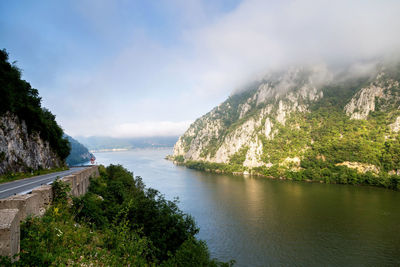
(17, 208)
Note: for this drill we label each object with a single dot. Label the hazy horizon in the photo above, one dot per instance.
(141, 69)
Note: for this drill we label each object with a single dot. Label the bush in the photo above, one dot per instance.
(119, 222)
(179, 159)
(60, 191)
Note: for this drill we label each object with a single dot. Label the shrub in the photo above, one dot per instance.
(119, 222)
(60, 191)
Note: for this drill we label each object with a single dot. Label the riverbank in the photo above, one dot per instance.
(268, 222)
(337, 174)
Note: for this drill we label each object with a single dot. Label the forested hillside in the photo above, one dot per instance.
(305, 124)
(79, 153)
(30, 137)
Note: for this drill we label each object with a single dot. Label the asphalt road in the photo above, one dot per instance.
(26, 185)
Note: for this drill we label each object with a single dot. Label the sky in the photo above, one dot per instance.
(149, 68)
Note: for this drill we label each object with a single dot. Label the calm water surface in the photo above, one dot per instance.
(263, 222)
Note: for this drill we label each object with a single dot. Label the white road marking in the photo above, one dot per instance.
(26, 184)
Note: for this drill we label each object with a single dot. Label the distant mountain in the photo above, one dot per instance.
(79, 153)
(305, 124)
(96, 143)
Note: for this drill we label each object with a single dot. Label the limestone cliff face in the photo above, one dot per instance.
(365, 101)
(238, 122)
(21, 151)
(252, 125)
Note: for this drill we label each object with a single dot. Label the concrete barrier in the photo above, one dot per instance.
(17, 208)
(79, 182)
(9, 232)
(26, 204)
(45, 193)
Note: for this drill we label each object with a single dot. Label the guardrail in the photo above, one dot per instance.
(17, 208)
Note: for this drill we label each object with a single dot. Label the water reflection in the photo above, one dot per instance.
(262, 222)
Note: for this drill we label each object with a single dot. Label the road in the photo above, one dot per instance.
(26, 185)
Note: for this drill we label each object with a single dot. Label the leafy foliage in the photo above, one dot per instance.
(214, 167)
(179, 159)
(119, 222)
(320, 138)
(239, 157)
(60, 192)
(19, 98)
(327, 136)
(78, 154)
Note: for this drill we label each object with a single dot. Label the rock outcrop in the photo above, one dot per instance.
(212, 139)
(365, 100)
(303, 115)
(360, 167)
(21, 151)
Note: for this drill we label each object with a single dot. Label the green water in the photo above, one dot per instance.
(263, 222)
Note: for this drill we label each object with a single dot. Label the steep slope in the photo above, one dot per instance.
(304, 124)
(21, 151)
(79, 153)
(30, 138)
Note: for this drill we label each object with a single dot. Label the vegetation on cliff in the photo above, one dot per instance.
(119, 222)
(19, 98)
(79, 153)
(344, 131)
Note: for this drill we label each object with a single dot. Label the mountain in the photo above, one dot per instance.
(79, 153)
(307, 123)
(30, 138)
(98, 143)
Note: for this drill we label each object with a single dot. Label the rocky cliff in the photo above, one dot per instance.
(303, 123)
(21, 151)
(30, 137)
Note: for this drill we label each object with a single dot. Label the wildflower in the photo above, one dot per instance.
(59, 232)
(56, 211)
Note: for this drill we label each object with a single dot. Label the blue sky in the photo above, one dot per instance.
(142, 68)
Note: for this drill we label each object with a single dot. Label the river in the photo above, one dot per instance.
(264, 222)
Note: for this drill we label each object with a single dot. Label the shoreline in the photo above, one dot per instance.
(200, 166)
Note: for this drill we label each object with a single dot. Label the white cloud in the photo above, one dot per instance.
(260, 35)
(152, 86)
